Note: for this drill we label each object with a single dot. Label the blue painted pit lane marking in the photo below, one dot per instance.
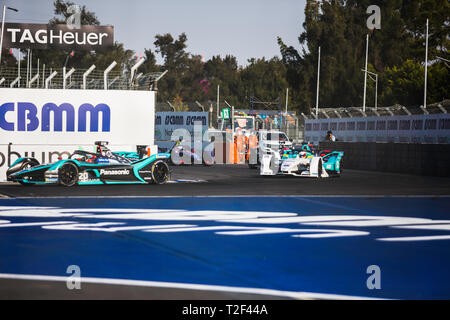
(296, 244)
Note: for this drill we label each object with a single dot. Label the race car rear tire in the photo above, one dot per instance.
(320, 169)
(68, 174)
(160, 172)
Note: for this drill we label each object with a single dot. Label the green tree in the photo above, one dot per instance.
(149, 64)
(178, 104)
(8, 60)
(224, 72)
(265, 79)
(415, 13)
(339, 28)
(175, 61)
(405, 84)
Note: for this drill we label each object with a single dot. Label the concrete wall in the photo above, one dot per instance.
(420, 159)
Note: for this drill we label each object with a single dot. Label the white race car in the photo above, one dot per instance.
(302, 164)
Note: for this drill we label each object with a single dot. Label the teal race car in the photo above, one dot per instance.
(89, 168)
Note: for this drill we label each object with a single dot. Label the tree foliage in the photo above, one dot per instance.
(396, 52)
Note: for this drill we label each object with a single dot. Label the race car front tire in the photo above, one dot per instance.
(160, 172)
(68, 174)
(320, 168)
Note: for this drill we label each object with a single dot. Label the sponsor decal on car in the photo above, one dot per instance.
(51, 176)
(114, 172)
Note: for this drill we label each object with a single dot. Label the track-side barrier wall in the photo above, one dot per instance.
(427, 128)
(413, 158)
(167, 122)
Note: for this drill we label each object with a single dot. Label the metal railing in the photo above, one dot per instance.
(395, 110)
(87, 79)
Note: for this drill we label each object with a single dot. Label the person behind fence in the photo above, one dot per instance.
(330, 136)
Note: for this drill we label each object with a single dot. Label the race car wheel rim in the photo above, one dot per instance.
(68, 175)
(160, 172)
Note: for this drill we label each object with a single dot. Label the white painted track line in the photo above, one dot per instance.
(188, 286)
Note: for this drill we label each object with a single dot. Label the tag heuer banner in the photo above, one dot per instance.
(60, 36)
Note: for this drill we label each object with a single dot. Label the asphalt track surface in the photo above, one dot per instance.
(229, 180)
(224, 232)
